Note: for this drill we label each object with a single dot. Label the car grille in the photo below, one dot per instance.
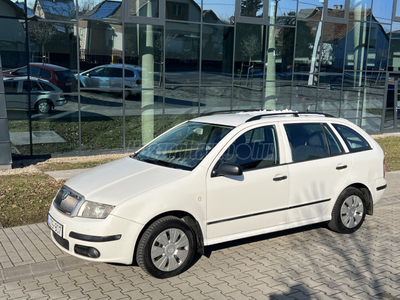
(66, 200)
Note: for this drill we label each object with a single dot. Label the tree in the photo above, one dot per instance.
(249, 8)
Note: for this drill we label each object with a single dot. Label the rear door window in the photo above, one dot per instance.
(354, 141)
(307, 141)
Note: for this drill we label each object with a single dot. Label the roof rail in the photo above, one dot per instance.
(293, 113)
(227, 112)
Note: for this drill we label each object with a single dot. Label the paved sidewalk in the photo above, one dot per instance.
(307, 263)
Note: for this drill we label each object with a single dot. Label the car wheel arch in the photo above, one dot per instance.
(367, 196)
(187, 218)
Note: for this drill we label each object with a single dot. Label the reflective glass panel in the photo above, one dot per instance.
(360, 9)
(214, 99)
(247, 96)
(277, 95)
(100, 45)
(251, 8)
(282, 12)
(217, 54)
(280, 50)
(144, 8)
(306, 45)
(333, 45)
(336, 8)
(304, 93)
(143, 118)
(12, 45)
(100, 9)
(382, 11)
(144, 56)
(54, 10)
(378, 50)
(310, 9)
(181, 104)
(220, 12)
(356, 51)
(183, 10)
(101, 120)
(394, 52)
(249, 54)
(182, 53)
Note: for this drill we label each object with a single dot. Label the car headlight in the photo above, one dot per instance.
(94, 210)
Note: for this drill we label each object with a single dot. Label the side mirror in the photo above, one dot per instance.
(227, 169)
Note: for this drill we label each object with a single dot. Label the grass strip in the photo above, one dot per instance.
(25, 199)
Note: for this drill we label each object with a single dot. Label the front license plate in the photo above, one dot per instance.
(54, 225)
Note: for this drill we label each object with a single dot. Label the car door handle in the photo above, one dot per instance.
(280, 177)
(341, 167)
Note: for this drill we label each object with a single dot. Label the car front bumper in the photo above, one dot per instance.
(104, 240)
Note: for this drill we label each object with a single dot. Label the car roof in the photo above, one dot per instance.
(120, 66)
(48, 66)
(238, 118)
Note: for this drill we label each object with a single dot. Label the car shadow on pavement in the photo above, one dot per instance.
(209, 249)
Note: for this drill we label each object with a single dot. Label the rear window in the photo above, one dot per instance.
(354, 141)
(64, 75)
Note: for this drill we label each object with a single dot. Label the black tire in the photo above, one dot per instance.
(349, 211)
(43, 106)
(158, 252)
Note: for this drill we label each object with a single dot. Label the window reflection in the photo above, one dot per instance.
(215, 99)
(359, 9)
(182, 53)
(220, 12)
(280, 53)
(333, 45)
(310, 9)
(101, 9)
(284, 11)
(55, 10)
(382, 11)
(336, 8)
(249, 54)
(183, 10)
(144, 8)
(306, 43)
(217, 54)
(251, 8)
(356, 54)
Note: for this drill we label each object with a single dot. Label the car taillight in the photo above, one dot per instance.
(139, 81)
(62, 96)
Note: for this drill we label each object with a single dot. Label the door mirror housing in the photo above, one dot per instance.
(227, 169)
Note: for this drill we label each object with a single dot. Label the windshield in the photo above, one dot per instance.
(184, 147)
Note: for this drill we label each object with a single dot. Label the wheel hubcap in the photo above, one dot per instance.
(43, 107)
(352, 211)
(170, 249)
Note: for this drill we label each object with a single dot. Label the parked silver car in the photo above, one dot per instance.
(109, 77)
(44, 94)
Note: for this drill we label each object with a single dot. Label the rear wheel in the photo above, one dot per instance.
(166, 248)
(43, 107)
(349, 211)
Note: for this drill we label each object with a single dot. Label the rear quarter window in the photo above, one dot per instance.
(354, 141)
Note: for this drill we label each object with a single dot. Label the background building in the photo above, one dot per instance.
(141, 67)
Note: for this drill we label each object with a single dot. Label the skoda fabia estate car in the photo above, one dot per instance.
(219, 178)
(44, 95)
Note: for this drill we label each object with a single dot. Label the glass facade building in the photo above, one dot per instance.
(115, 74)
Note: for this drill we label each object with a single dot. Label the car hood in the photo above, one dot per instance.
(122, 179)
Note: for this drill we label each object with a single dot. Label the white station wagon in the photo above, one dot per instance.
(219, 178)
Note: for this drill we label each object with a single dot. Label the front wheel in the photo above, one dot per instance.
(349, 211)
(166, 248)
